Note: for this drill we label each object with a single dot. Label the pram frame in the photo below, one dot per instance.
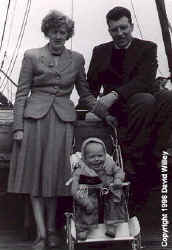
(134, 239)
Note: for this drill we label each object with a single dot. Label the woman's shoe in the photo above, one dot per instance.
(38, 244)
(53, 240)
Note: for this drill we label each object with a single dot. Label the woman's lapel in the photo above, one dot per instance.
(65, 60)
(48, 59)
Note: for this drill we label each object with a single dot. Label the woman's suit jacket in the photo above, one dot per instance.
(43, 84)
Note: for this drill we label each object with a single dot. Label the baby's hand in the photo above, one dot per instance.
(117, 184)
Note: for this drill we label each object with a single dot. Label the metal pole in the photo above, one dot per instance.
(160, 4)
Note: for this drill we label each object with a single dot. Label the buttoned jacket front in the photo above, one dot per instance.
(139, 69)
(42, 84)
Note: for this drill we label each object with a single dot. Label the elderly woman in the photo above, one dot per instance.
(43, 123)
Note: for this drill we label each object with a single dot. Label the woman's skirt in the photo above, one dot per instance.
(40, 164)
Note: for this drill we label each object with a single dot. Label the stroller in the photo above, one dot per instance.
(128, 231)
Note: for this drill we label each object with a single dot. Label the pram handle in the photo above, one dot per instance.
(124, 184)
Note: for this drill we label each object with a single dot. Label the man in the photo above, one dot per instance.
(126, 69)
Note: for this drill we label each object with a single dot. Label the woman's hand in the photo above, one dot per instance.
(18, 135)
(90, 116)
(117, 184)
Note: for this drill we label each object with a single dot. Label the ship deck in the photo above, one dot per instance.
(13, 236)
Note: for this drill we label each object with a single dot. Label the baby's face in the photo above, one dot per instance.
(95, 155)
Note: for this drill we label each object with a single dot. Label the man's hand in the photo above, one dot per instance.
(100, 110)
(18, 135)
(111, 121)
(108, 99)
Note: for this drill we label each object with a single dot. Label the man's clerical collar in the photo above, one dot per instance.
(126, 47)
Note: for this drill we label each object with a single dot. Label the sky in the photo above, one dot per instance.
(90, 29)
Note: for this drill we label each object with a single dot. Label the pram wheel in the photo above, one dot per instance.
(71, 244)
(136, 243)
(69, 239)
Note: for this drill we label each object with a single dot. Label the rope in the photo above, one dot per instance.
(137, 22)
(2, 39)
(139, 28)
(18, 44)
(72, 14)
(9, 37)
(22, 34)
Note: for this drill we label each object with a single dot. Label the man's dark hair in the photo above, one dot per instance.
(118, 12)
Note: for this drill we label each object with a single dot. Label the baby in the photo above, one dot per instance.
(97, 167)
